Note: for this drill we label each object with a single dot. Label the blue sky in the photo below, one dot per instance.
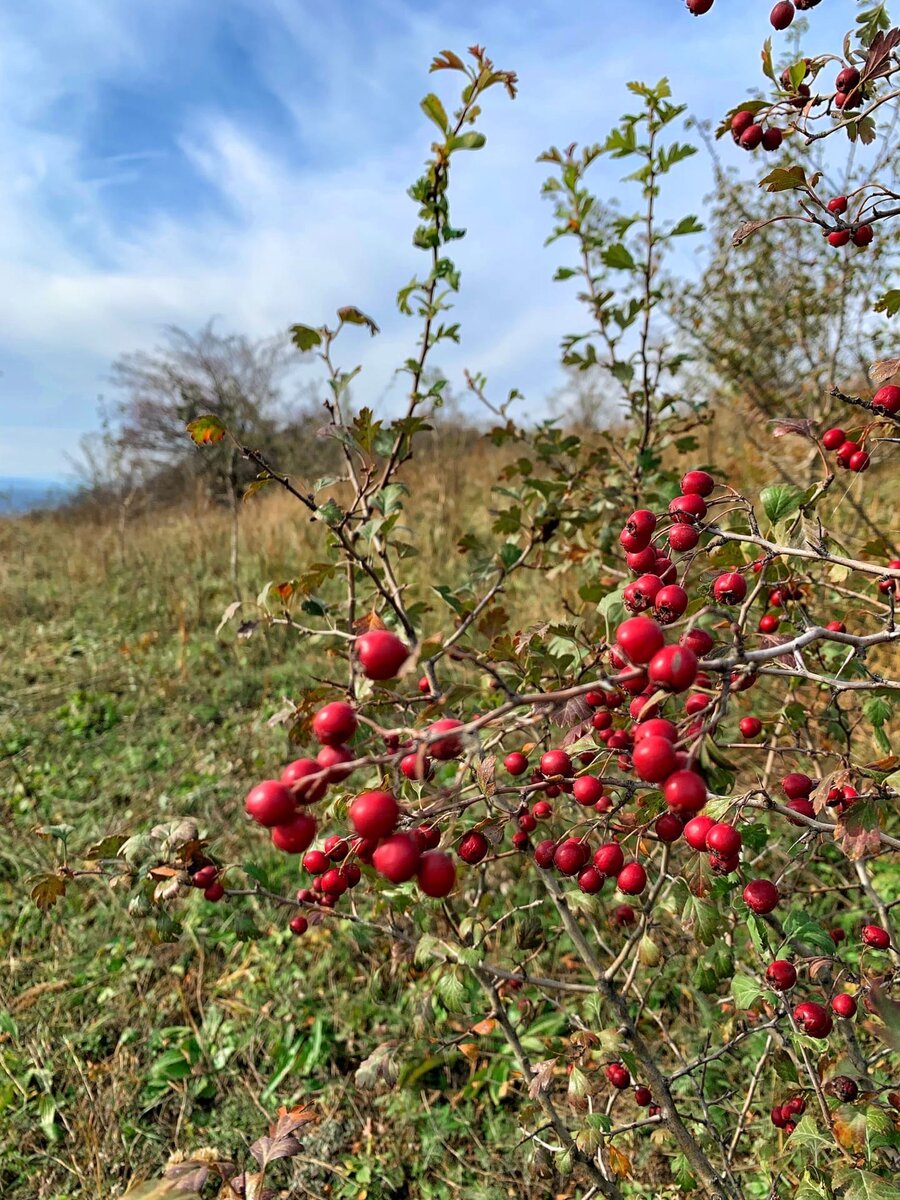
(169, 160)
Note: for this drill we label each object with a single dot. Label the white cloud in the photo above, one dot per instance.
(318, 219)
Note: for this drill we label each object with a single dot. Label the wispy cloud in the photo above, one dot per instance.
(163, 163)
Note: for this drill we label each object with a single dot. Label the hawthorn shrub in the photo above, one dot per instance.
(667, 812)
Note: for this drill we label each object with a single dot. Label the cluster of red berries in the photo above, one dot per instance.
(785, 1116)
(748, 134)
(850, 455)
(620, 1078)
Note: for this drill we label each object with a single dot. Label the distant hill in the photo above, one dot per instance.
(18, 495)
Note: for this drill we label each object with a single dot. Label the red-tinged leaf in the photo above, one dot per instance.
(191, 1174)
(883, 370)
(541, 1077)
(744, 231)
(282, 1140)
(819, 794)
(370, 621)
(206, 430)
(889, 1011)
(485, 772)
(783, 426)
(380, 1067)
(47, 890)
(284, 590)
(857, 831)
(878, 59)
(447, 61)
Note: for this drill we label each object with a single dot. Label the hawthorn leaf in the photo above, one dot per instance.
(305, 337)
(206, 430)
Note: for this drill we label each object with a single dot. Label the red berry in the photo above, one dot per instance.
(591, 881)
(446, 747)
(782, 14)
(859, 462)
(609, 859)
(843, 1088)
(730, 588)
(668, 827)
(639, 594)
(473, 847)
(875, 936)
(587, 790)
(624, 915)
(334, 724)
(750, 727)
(772, 138)
(270, 803)
(416, 767)
(813, 1019)
(205, 876)
(316, 862)
(751, 137)
(429, 837)
(761, 896)
(836, 627)
(671, 603)
(837, 205)
(796, 784)
(618, 1075)
(214, 892)
(295, 835)
(697, 640)
(740, 121)
(333, 759)
(298, 925)
(697, 483)
(834, 438)
(847, 79)
(374, 814)
(839, 237)
(571, 855)
(641, 561)
(642, 1096)
(544, 852)
(655, 727)
(697, 8)
(632, 879)
(803, 806)
(516, 763)
(654, 759)
(436, 874)
(397, 858)
(688, 509)
(695, 831)
(555, 762)
(674, 668)
(683, 538)
(295, 778)
(888, 397)
(725, 839)
(685, 792)
(843, 1005)
(639, 639)
(846, 451)
(334, 882)
(381, 654)
(781, 975)
(768, 623)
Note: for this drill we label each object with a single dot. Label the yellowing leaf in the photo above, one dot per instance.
(206, 430)
(619, 1162)
(47, 890)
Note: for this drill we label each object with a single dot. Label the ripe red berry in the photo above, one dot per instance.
(862, 235)
(751, 137)
(624, 915)
(683, 538)
(695, 831)
(843, 1005)
(772, 138)
(473, 847)
(436, 874)
(836, 627)
(654, 759)
(571, 855)
(609, 859)
(730, 588)
(859, 462)
(843, 1088)
(639, 639)
(782, 14)
(270, 803)
(688, 509)
(642, 1096)
(685, 792)
(591, 881)
(214, 892)
(381, 654)
(397, 858)
(334, 882)
(587, 790)
(888, 397)
(876, 937)
(333, 759)
(837, 205)
(779, 1120)
(334, 724)
(316, 862)
(781, 975)
(697, 8)
(697, 640)
(768, 623)
(295, 778)
(638, 531)
(618, 1075)
(761, 896)
(839, 237)
(725, 839)
(655, 727)
(374, 814)
(668, 827)
(834, 438)
(796, 784)
(813, 1019)
(670, 603)
(803, 806)
(555, 762)
(298, 925)
(448, 746)
(697, 483)
(750, 727)
(673, 668)
(544, 852)
(205, 876)
(641, 592)
(846, 80)
(295, 835)
(641, 561)
(632, 879)
(516, 763)
(416, 767)
(740, 121)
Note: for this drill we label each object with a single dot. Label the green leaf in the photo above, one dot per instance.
(330, 512)
(810, 1190)
(687, 225)
(450, 991)
(354, 316)
(434, 110)
(47, 1118)
(746, 991)
(808, 1137)
(862, 1185)
(701, 918)
(799, 926)
(467, 141)
(784, 179)
(780, 500)
(889, 303)
(206, 430)
(305, 337)
(618, 256)
(760, 934)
